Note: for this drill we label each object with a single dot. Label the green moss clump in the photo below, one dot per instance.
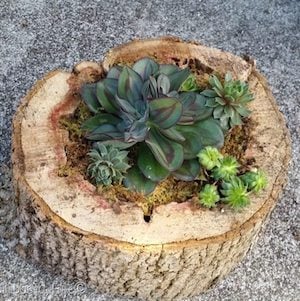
(65, 171)
(73, 123)
(171, 190)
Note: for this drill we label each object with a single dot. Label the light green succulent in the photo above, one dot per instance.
(223, 171)
(209, 196)
(235, 193)
(228, 167)
(255, 180)
(190, 84)
(228, 100)
(210, 157)
(144, 106)
(108, 164)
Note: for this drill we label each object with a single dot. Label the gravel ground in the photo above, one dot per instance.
(38, 36)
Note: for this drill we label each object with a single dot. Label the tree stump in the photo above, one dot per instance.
(68, 228)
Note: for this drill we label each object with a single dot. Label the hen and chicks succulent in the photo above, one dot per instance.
(108, 164)
(228, 100)
(228, 185)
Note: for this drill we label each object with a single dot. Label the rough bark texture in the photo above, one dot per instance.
(183, 263)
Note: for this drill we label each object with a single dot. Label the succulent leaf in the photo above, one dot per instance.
(235, 119)
(209, 93)
(190, 84)
(168, 69)
(243, 111)
(224, 121)
(228, 167)
(149, 166)
(235, 193)
(105, 91)
(114, 72)
(165, 112)
(104, 132)
(209, 196)
(167, 152)
(145, 68)
(194, 107)
(88, 94)
(210, 132)
(174, 94)
(210, 157)
(173, 134)
(255, 180)
(192, 144)
(220, 101)
(218, 112)
(177, 78)
(135, 180)
(125, 106)
(212, 103)
(214, 82)
(101, 118)
(130, 85)
(136, 132)
(153, 87)
(188, 171)
(118, 144)
(163, 84)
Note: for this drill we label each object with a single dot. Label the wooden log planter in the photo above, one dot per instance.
(181, 252)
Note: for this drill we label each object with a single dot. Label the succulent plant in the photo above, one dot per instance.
(210, 157)
(209, 196)
(228, 100)
(190, 84)
(255, 180)
(228, 167)
(235, 193)
(144, 105)
(108, 164)
(222, 171)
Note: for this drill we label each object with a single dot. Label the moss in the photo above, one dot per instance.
(73, 122)
(77, 146)
(171, 190)
(72, 127)
(129, 61)
(82, 113)
(238, 139)
(65, 171)
(116, 193)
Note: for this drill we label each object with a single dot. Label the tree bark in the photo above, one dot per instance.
(68, 228)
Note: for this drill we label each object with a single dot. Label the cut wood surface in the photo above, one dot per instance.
(68, 227)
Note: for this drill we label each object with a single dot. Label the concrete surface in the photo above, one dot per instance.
(37, 36)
